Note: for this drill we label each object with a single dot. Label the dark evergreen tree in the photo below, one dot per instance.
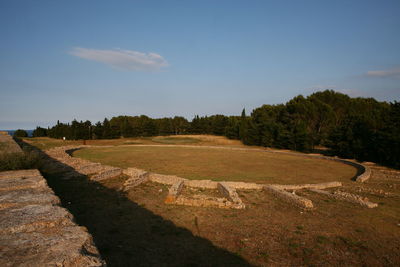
(20, 133)
(39, 132)
(107, 133)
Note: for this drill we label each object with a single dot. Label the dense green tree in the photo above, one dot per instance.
(232, 129)
(180, 125)
(39, 132)
(107, 133)
(126, 128)
(97, 131)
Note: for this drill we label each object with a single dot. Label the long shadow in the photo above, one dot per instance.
(126, 233)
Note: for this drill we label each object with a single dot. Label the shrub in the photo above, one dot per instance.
(19, 161)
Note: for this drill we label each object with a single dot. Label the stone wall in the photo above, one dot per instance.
(96, 171)
(291, 198)
(35, 230)
(340, 195)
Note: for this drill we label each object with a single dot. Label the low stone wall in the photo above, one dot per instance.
(97, 171)
(136, 177)
(244, 185)
(365, 175)
(7, 144)
(89, 168)
(207, 184)
(307, 186)
(205, 201)
(165, 179)
(231, 195)
(290, 197)
(106, 173)
(35, 230)
(340, 195)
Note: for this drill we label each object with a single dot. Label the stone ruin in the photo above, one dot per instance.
(229, 197)
(36, 231)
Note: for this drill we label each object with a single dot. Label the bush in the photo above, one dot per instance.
(19, 161)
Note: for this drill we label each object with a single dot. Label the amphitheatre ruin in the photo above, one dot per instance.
(38, 230)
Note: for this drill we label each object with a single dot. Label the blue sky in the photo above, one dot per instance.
(61, 60)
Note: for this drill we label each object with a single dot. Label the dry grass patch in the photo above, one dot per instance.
(47, 143)
(221, 164)
(44, 143)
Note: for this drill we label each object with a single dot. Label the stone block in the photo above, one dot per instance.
(66, 246)
(21, 180)
(33, 217)
(27, 197)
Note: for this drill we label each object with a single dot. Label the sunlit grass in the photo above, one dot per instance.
(222, 164)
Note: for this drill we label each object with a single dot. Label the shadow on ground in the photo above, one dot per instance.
(126, 233)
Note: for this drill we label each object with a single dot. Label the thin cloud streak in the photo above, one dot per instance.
(122, 59)
(391, 73)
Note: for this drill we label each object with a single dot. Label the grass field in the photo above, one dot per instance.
(221, 164)
(175, 140)
(47, 143)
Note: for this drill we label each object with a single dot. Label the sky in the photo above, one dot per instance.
(87, 60)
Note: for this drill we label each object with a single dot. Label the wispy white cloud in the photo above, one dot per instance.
(122, 59)
(391, 73)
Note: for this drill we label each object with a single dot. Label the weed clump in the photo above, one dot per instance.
(19, 161)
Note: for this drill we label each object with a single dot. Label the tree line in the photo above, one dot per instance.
(361, 128)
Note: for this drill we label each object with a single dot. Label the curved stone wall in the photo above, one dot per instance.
(228, 189)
